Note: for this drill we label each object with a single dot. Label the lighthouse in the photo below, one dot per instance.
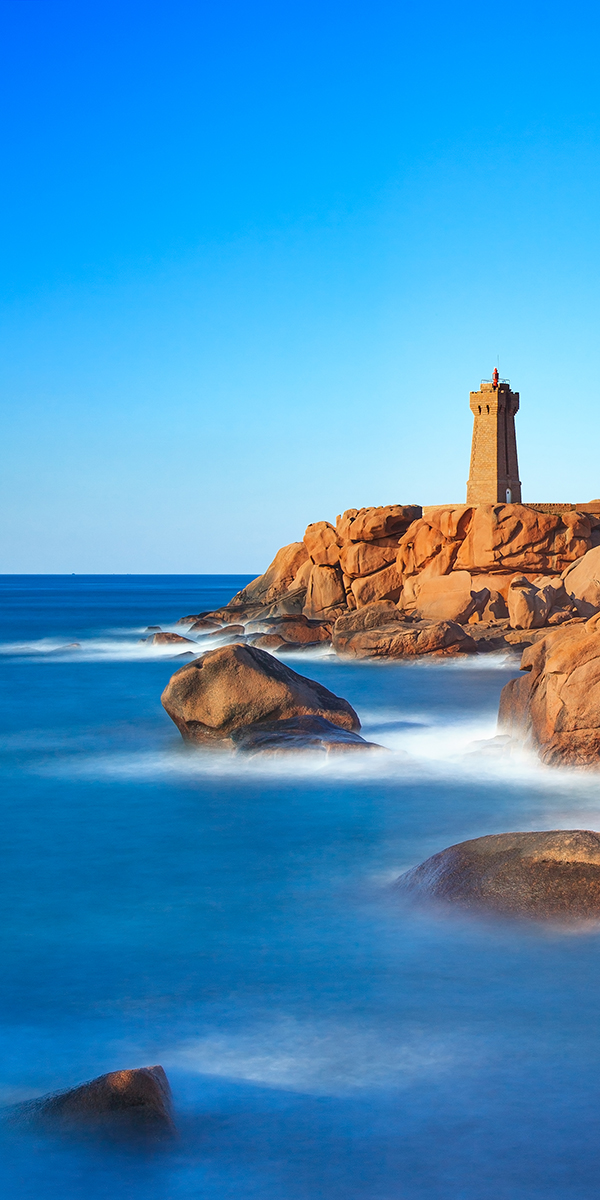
(494, 474)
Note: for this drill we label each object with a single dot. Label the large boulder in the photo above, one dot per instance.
(137, 1100)
(370, 524)
(555, 706)
(404, 640)
(362, 558)
(239, 685)
(450, 598)
(528, 607)
(325, 594)
(582, 583)
(314, 734)
(554, 874)
(382, 585)
(322, 543)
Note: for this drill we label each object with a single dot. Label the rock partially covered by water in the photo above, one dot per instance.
(555, 706)
(131, 1101)
(166, 639)
(554, 874)
(313, 734)
(398, 639)
(240, 685)
(296, 630)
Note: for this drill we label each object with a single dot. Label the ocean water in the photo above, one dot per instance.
(238, 923)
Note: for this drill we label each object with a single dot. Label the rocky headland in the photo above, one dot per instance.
(399, 581)
(503, 570)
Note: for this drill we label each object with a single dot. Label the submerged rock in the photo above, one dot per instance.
(297, 734)
(131, 1101)
(554, 874)
(240, 685)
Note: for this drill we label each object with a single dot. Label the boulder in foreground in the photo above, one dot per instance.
(554, 875)
(240, 685)
(297, 734)
(555, 706)
(133, 1101)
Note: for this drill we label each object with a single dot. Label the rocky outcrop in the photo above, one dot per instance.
(446, 562)
(240, 685)
(284, 580)
(404, 640)
(491, 540)
(550, 875)
(313, 734)
(502, 537)
(132, 1101)
(555, 706)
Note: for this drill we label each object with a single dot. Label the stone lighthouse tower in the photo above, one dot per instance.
(494, 474)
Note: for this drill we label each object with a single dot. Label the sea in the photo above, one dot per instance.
(237, 922)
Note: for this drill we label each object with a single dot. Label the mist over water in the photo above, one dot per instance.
(236, 921)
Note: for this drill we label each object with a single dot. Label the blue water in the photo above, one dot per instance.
(237, 924)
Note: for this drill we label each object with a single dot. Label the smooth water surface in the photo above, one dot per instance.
(237, 923)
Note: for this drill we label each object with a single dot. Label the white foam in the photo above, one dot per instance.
(318, 1058)
(107, 649)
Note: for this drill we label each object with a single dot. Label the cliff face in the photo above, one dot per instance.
(390, 552)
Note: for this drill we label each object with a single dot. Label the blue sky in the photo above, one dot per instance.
(255, 256)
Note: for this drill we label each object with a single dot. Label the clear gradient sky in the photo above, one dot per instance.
(256, 255)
